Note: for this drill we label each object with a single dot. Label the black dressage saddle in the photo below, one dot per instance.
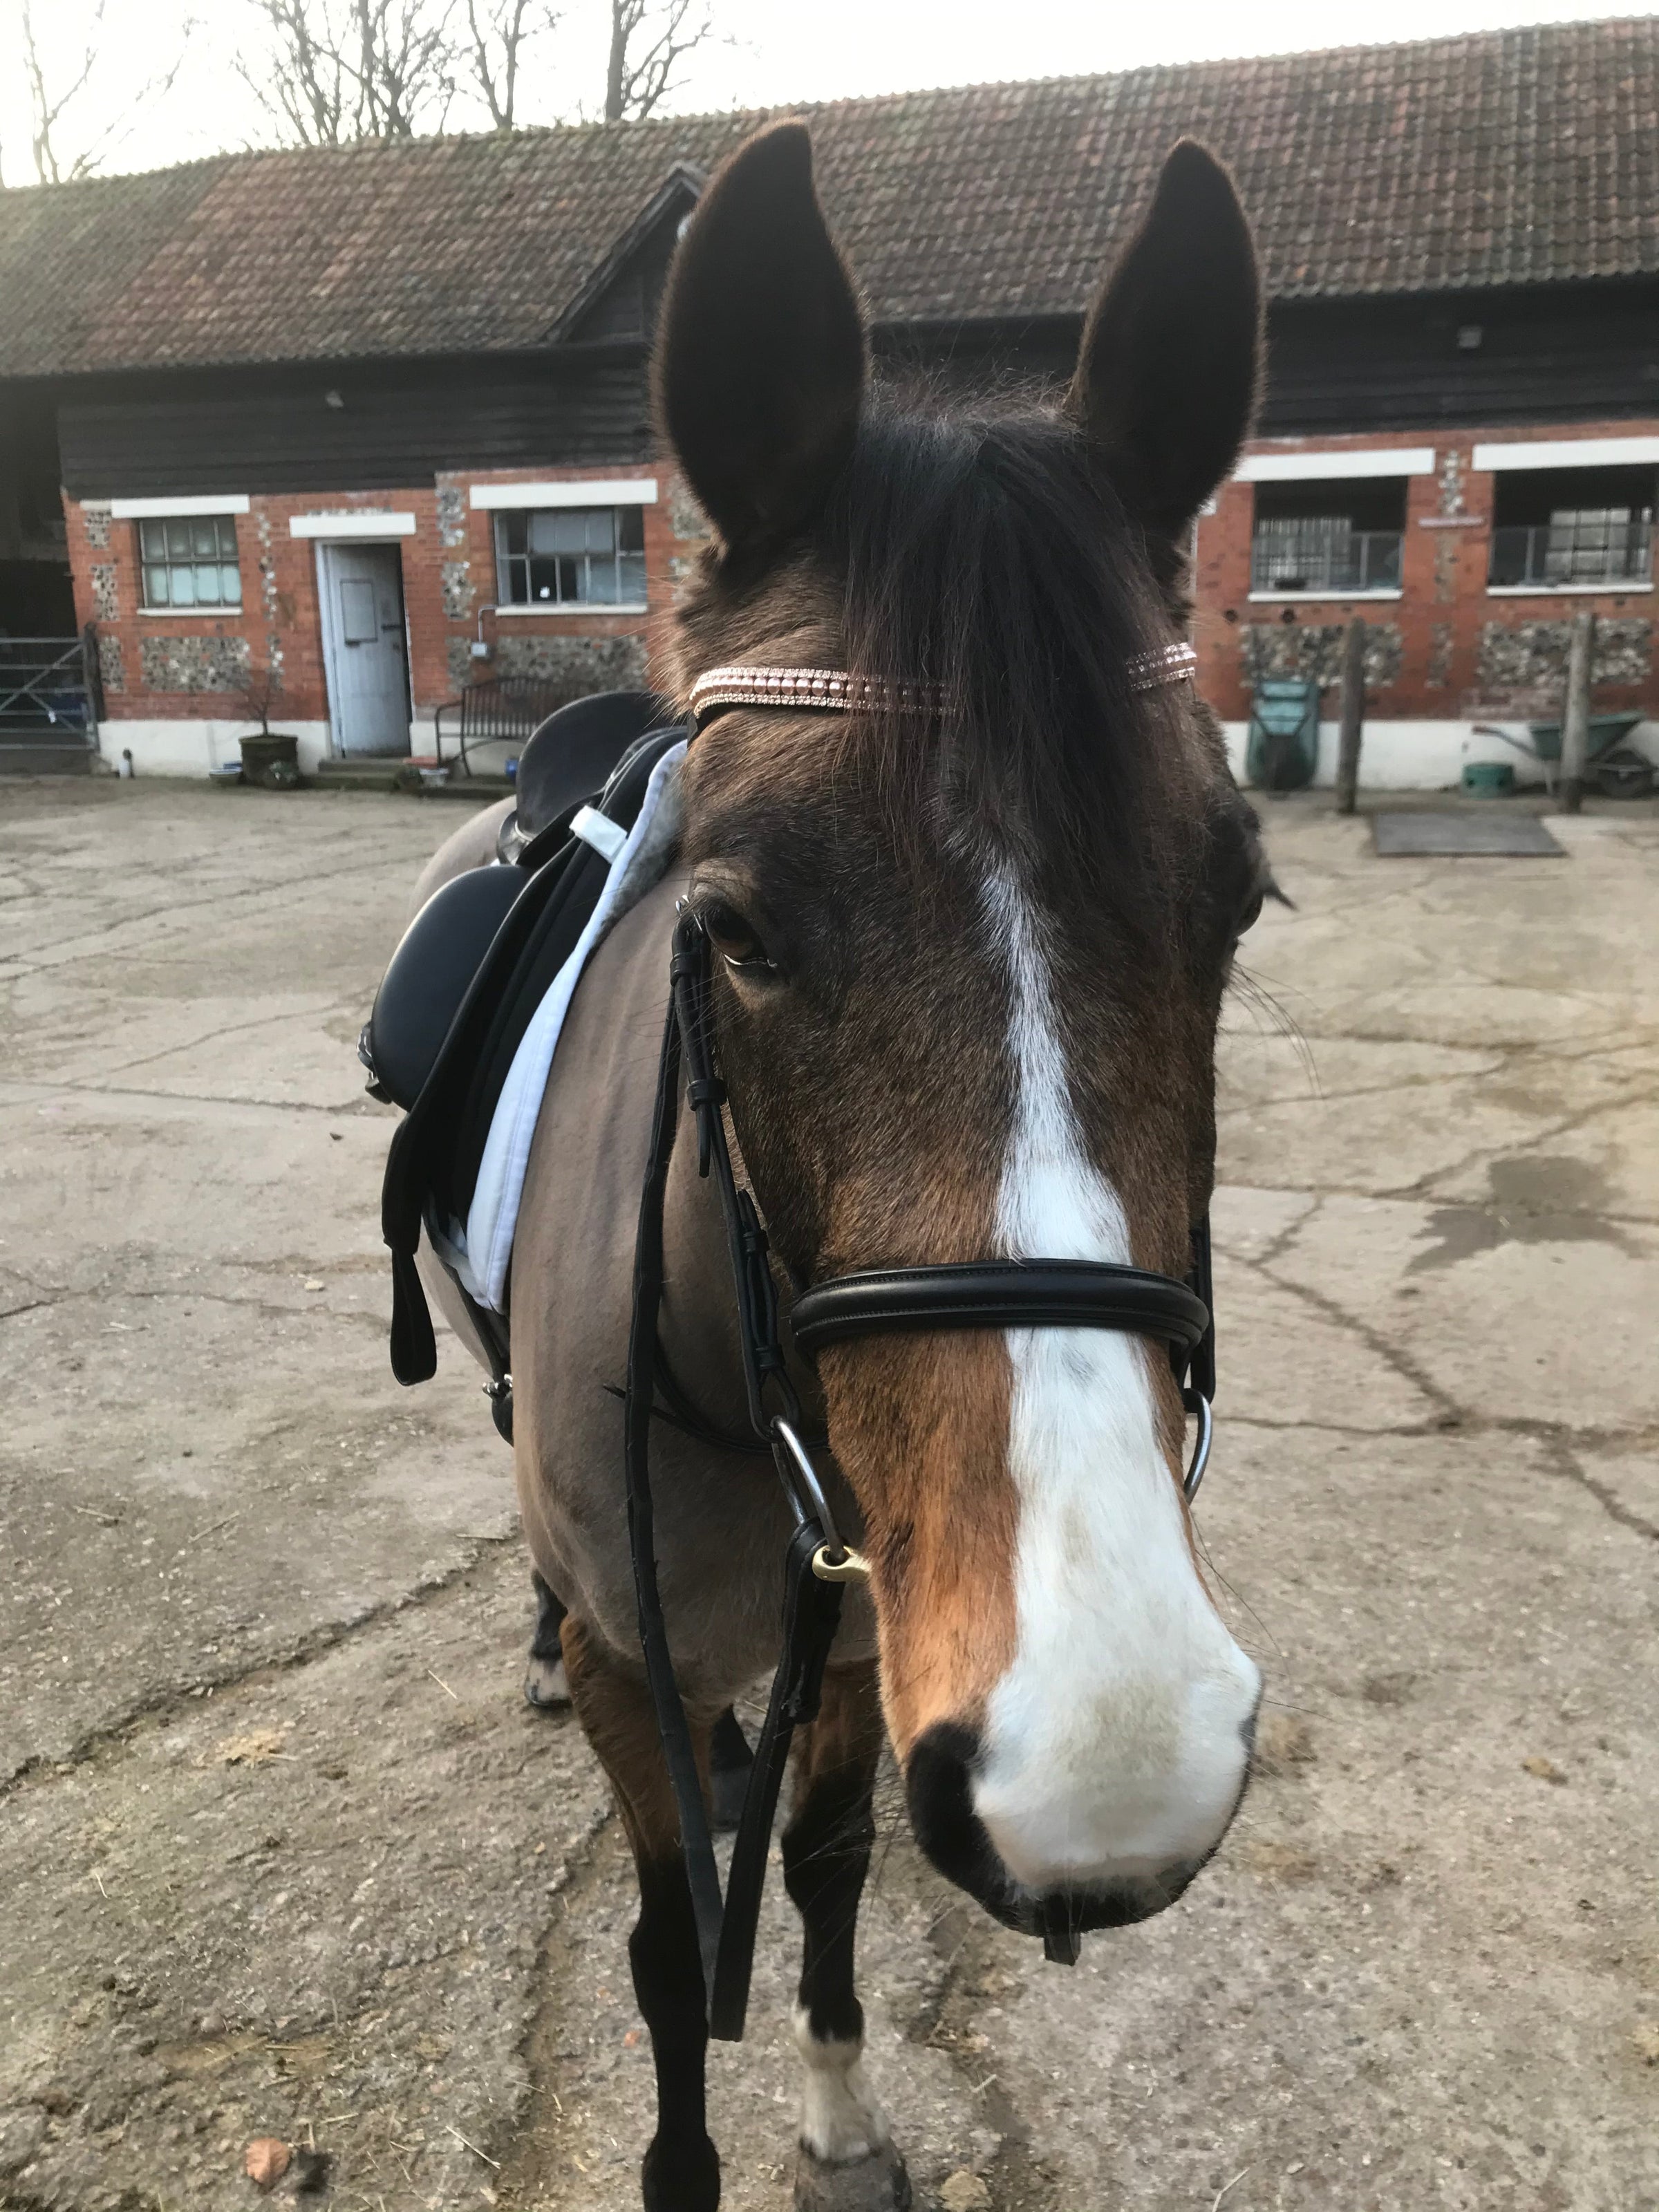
(469, 972)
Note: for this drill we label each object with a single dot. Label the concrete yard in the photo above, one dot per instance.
(284, 1854)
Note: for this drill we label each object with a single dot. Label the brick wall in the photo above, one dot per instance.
(196, 666)
(1447, 648)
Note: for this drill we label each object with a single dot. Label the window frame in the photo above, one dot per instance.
(1606, 508)
(223, 522)
(1327, 500)
(508, 520)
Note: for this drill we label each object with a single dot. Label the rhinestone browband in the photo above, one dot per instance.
(1170, 664)
(837, 690)
(810, 687)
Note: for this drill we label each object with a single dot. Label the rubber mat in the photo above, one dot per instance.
(1521, 837)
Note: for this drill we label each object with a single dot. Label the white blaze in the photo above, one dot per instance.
(1113, 1743)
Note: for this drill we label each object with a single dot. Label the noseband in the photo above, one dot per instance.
(981, 1294)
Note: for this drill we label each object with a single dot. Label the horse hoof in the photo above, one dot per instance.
(877, 2183)
(681, 2176)
(544, 1685)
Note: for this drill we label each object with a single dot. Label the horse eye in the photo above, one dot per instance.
(1250, 916)
(732, 936)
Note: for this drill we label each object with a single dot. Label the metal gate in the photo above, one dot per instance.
(49, 692)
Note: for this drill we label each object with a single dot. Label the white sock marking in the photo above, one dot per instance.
(1112, 1743)
(841, 2117)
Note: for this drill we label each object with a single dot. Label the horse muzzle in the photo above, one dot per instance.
(1061, 1900)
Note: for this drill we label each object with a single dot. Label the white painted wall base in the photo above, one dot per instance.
(1425, 756)
(197, 748)
(1394, 756)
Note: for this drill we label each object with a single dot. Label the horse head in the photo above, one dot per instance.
(969, 971)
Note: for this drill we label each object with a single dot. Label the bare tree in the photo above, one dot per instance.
(51, 101)
(649, 39)
(302, 81)
(337, 70)
(497, 36)
(46, 109)
(405, 66)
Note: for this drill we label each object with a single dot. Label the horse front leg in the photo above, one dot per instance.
(847, 2162)
(681, 2171)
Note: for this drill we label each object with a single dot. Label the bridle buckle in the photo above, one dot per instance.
(850, 1567)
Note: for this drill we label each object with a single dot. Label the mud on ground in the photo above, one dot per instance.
(283, 1854)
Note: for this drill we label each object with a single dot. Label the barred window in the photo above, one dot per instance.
(189, 560)
(1554, 529)
(570, 556)
(1328, 540)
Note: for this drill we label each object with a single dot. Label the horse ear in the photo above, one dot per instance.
(1168, 372)
(760, 362)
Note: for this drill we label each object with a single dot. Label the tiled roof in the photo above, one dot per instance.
(1512, 157)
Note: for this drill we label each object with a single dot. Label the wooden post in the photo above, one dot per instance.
(1352, 714)
(1575, 722)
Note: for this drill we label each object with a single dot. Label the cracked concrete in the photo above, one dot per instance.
(284, 1854)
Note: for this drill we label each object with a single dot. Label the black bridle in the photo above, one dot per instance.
(978, 1295)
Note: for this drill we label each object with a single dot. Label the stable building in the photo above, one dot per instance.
(347, 430)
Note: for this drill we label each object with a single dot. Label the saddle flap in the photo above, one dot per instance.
(437, 959)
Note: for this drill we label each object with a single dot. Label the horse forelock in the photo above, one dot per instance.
(981, 553)
(979, 550)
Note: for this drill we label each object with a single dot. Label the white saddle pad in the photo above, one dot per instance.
(480, 1250)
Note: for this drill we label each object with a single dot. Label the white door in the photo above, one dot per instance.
(363, 645)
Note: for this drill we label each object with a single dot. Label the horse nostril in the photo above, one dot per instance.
(939, 1784)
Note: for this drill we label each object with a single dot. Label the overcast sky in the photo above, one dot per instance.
(780, 51)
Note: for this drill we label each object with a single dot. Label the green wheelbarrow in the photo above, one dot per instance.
(1605, 731)
(1616, 770)
(1282, 749)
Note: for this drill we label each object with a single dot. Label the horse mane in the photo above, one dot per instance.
(981, 553)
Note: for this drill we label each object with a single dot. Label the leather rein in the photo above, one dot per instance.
(979, 1295)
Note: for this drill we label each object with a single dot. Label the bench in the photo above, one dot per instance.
(501, 710)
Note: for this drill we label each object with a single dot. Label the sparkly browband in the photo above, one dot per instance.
(836, 688)
(810, 687)
(1170, 664)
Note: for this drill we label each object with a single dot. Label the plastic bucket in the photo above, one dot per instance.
(1488, 779)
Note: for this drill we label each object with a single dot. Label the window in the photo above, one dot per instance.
(1555, 528)
(189, 560)
(570, 556)
(1331, 540)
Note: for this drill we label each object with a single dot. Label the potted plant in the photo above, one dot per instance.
(271, 759)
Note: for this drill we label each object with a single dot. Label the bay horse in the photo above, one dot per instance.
(967, 974)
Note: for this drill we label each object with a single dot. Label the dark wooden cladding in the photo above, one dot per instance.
(1586, 352)
(277, 431)
(627, 307)
(1583, 352)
